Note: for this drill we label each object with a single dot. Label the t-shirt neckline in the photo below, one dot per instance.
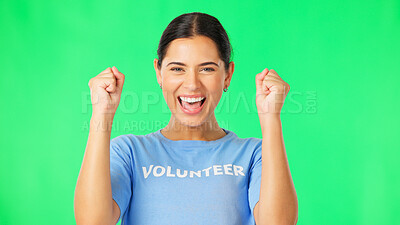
(194, 143)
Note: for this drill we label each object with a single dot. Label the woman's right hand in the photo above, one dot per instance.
(105, 91)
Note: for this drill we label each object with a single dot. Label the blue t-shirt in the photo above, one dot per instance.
(156, 180)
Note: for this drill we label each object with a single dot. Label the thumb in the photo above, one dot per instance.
(259, 80)
(120, 77)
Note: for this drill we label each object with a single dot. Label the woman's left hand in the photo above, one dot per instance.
(271, 93)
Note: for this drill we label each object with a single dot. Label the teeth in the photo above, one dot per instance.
(191, 100)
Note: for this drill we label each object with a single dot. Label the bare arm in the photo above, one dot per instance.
(278, 199)
(93, 196)
(93, 203)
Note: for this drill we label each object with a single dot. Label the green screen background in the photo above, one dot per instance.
(340, 119)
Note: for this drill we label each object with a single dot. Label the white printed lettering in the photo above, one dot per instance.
(238, 169)
(159, 171)
(169, 172)
(207, 171)
(145, 172)
(178, 173)
(158, 174)
(198, 173)
(228, 169)
(216, 169)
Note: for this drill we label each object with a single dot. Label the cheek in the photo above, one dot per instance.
(170, 100)
(169, 89)
(214, 90)
(171, 82)
(215, 97)
(214, 85)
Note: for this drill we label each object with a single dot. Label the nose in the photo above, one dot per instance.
(192, 81)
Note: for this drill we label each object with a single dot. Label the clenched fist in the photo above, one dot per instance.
(105, 91)
(271, 91)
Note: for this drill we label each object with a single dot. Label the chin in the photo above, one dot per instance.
(191, 123)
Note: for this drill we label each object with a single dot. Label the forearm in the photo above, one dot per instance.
(93, 195)
(278, 199)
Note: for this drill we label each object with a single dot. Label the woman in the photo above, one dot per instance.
(192, 171)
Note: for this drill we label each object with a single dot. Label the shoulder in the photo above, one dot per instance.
(131, 141)
(128, 146)
(250, 145)
(249, 142)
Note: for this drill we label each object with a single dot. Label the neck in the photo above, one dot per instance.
(207, 131)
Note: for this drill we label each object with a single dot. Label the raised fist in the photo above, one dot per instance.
(105, 91)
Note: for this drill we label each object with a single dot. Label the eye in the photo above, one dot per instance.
(177, 69)
(209, 69)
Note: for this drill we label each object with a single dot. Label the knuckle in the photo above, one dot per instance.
(108, 79)
(105, 74)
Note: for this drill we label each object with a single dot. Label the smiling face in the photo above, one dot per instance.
(193, 77)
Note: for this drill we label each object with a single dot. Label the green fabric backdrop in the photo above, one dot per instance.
(340, 119)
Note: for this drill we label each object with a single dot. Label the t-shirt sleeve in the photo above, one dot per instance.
(121, 175)
(255, 178)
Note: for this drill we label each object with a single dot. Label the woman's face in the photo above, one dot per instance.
(192, 71)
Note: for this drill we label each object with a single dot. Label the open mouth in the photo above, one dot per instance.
(191, 105)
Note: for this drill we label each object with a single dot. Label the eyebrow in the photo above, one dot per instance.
(202, 64)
